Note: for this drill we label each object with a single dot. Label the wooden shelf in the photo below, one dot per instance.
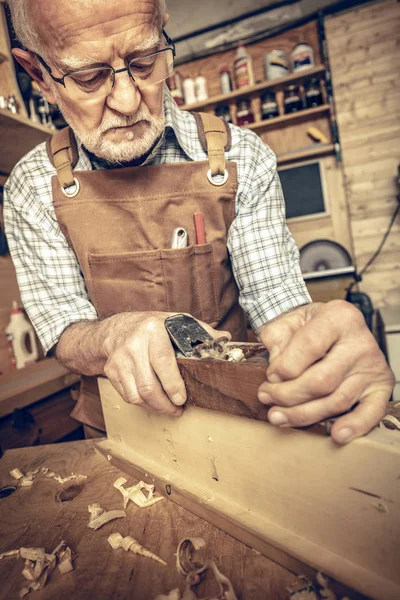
(254, 90)
(19, 135)
(313, 151)
(289, 119)
(22, 387)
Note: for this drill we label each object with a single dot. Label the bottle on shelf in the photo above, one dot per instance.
(174, 83)
(21, 339)
(292, 101)
(225, 79)
(313, 94)
(302, 57)
(189, 90)
(243, 67)
(224, 113)
(269, 107)
(200, 84)
(244, 113)
(276, 65)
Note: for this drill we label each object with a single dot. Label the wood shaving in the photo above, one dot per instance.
(136, 494)
(129, 544)
(185, 554)
(173, 595)
(390, 422)
(16, 474)
(38, 565)
(99, 517)
(219, 349)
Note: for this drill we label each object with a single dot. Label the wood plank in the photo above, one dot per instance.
(287, 500)
(22, 387)
(33, 517)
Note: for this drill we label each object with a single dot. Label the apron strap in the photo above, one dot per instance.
(215, 138)
(63, 154)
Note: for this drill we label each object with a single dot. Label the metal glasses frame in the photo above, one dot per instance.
(171, 46)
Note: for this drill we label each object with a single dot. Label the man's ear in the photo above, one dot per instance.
(29, 62)
(165, 19)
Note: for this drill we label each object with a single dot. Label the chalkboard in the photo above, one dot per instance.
(303, 190)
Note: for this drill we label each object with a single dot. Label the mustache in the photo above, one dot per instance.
(120, 121)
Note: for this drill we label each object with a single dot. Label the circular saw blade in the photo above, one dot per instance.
(323, 255)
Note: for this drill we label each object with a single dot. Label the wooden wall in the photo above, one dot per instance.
(364, 55)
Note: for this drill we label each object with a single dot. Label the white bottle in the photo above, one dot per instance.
(201, 88)
(189, 90)
(243, 67)
(17, 331)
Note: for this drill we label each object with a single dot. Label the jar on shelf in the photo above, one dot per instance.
(292, 100)
(225, 79)
(244, 113)
(189, 90)
(269, 107)
(313, 94)
(276, 65)
(224, 113)
(302, 57)
(201, 88)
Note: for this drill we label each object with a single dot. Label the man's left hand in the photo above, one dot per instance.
(323, 361)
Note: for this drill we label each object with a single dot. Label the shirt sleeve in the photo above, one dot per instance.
(264, 255)
(51, 284)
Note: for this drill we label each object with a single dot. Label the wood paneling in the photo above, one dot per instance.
(363, 49)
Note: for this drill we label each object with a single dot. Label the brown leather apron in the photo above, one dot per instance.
(119, 223)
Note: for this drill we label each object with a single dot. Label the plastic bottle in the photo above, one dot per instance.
(200, 84)
(189, 90)
(243, 67)
(17, 331)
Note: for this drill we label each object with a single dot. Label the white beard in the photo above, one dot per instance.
(131, 147)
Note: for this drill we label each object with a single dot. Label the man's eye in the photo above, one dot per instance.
(142, 69)
(90, 79)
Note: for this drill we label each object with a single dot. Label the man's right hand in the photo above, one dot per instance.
(141, 362)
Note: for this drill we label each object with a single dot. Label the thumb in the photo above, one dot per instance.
(215, 333)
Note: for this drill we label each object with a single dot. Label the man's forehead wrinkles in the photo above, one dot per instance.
(74, 62)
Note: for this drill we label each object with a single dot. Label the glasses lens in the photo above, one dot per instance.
(90, 84)
(152, 69)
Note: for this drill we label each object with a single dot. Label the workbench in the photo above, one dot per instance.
(38, 517)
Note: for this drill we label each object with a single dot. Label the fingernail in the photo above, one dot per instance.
(178, 399)
(265, 398)
(344, 435)
(274, 378)
(277, 418)
(275, 350)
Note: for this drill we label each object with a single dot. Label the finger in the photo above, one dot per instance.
(149, 387)
(363, 418)
(129, 391)
(308, 345)
(163, 362)
(215, 333)
(319, 380)
(340, 401)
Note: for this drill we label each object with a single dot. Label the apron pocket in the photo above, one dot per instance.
(172, 280)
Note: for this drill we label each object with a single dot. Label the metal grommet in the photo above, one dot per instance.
(223, 180)
(72, 190)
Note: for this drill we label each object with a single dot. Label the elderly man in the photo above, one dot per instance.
(89, 222)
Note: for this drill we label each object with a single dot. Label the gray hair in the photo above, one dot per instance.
(24, 23)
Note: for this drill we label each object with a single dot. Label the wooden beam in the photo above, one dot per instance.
(333, 508)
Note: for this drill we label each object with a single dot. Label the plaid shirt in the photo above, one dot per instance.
(265, 259)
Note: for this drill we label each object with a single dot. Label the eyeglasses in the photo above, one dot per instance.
(93, 84)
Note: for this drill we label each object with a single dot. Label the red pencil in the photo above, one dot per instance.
(199, 228)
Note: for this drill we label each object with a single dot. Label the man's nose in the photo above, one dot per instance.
(124, 96)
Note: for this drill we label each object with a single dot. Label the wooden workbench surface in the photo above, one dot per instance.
(33, 517)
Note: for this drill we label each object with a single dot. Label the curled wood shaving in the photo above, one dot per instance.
(99, 517)
(16, 474)
(9, 554)
(136, 494)
(185, 562)
(129, 544)
(38, 564)
(390, 422)
(226, 591)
